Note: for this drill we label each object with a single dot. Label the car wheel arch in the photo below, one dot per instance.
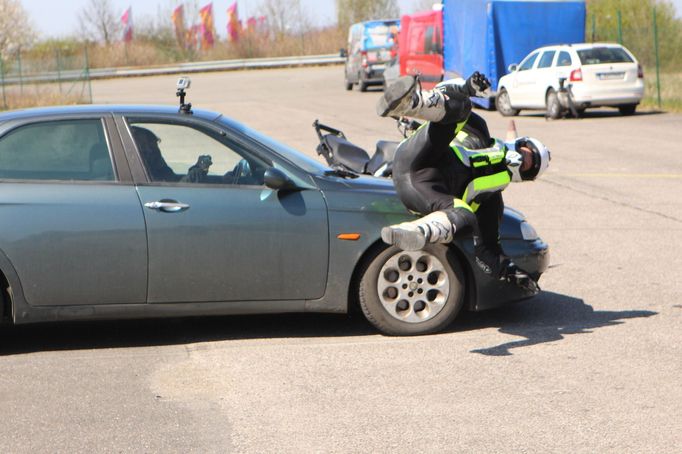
(353, 300)
(11, 293)
(454, 253)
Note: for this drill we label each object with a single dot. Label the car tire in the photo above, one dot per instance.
(627, 109)
(553, 105)
(405, 293)
(362, 84)
(5, 301)
(503, 104)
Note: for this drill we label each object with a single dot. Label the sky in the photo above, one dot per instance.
(60, 18)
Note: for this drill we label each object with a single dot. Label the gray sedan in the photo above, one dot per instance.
(110, 212)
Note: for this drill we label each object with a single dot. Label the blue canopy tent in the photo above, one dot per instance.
(489, 35)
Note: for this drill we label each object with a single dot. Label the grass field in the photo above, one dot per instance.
(37, 96)
(671, 91)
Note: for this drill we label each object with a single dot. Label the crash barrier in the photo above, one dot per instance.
(70, 77)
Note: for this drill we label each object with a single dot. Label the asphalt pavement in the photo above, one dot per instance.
(592, 365)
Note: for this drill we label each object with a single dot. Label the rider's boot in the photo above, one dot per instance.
(414, 235)
(404, 98)
(499, 266)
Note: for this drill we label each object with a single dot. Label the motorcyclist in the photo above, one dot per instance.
(453, 187)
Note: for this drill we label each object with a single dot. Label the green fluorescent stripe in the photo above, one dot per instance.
(455, 148)
(492, 181)
(461, 204)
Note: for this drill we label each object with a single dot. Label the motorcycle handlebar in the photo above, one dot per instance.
(319, 127)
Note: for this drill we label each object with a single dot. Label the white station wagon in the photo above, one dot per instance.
(599, 74)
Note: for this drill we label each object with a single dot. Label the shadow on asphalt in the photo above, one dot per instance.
(545, 318)
(549, 317)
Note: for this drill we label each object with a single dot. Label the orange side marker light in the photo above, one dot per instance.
(349, 236)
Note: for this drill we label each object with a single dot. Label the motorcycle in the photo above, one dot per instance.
(341, 154)
(345, 157)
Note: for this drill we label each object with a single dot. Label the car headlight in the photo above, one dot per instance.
(528, 231)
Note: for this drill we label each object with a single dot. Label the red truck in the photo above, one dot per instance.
(421, 46)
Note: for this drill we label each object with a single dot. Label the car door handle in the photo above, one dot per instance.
(167, 206)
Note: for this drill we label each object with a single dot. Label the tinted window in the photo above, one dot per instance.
(56, 150)
(528, 62)
(564, 59)
(600, 55)
(179, 153)
(546, 59)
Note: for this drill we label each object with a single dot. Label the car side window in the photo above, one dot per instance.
(64, 150)
(546, 59)
(528, 62)
(179, 153)
(564, 59)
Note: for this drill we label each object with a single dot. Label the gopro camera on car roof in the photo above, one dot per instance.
(183, 84)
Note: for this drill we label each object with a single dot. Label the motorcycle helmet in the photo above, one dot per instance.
(514, 158)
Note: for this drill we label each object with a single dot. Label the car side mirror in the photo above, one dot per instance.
(278, 180)
(343, 53)
(513, 67)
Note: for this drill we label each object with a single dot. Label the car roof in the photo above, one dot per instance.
(103, 109)
(578, 46)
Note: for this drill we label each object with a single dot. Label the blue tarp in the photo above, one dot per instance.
(489, 35)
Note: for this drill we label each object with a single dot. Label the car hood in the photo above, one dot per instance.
(369, 194)
(378, 195)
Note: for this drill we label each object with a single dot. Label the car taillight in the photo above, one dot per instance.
(640, 72)
(576, 75)
(364, 58)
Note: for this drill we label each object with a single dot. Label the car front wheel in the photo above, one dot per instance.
(503, 104)
(406, 293)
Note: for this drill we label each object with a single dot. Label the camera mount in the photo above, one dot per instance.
(183, 84)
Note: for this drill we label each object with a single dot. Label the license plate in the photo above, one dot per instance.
(611, 76)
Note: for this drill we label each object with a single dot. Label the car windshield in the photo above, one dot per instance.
(602, 55)
(306, 163)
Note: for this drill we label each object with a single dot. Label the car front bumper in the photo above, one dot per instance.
(531, 256)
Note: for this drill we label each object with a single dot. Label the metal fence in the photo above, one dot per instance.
(653, 38)
(54, 77)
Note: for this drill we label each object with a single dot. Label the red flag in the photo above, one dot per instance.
(251, 24)
(233, 24)
(178, 19)
(192, 36)
(207, 28)
(127, 22)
